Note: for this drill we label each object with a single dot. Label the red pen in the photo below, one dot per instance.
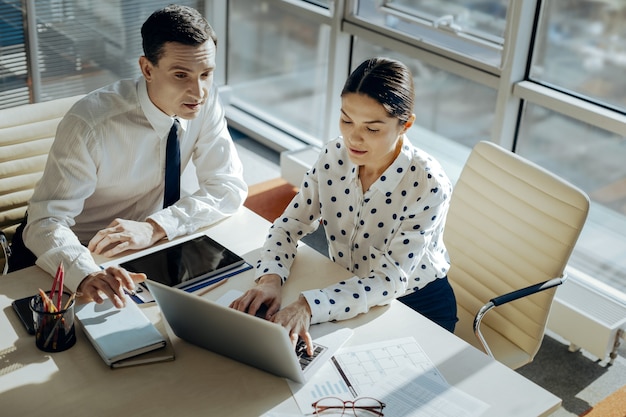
(57, 285)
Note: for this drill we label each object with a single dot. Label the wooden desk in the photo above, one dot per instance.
(201, 383)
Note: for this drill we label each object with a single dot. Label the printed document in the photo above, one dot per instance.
(396, 372)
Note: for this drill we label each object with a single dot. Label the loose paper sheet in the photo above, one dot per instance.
(396, 372)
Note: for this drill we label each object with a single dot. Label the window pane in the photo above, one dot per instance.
(277, 65)
(593, 160)
(83, 44)
(13, 71)
(581, 48)
(453, 107)
(470, 28)
(86, 44)
(484, 19)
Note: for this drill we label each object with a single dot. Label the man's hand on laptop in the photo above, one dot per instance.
(296, 318)
(112, 282)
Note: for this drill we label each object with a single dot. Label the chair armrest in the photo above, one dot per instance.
(6, 252)
(507, 298)
(532, 289)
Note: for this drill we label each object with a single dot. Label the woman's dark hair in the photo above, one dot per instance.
(174, 23)
(387, 81)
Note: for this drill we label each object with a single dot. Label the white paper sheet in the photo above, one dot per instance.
(396, 372)
(409, 394)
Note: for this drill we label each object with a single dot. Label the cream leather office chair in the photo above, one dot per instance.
(512, 225)
(26, 134)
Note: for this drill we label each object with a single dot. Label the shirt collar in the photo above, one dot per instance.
(160, 122)
(392, 176)
(397, 170)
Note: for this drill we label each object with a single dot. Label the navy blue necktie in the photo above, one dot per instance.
(172, 167)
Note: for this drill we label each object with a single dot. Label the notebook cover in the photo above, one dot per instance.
(118, 334)
(163, 354)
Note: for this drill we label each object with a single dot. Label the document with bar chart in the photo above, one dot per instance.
(374, 370)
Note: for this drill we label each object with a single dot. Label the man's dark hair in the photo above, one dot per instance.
(174, 23)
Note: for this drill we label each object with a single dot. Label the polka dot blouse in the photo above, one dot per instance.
(389, 237)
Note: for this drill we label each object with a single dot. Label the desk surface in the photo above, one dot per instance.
(200, 382)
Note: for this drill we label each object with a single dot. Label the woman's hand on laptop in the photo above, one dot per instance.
(296, 318)
(111, 282)
(267, 292)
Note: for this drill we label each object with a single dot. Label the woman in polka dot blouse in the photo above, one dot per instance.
(383, 204)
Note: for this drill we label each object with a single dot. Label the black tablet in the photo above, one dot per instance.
(185, 263)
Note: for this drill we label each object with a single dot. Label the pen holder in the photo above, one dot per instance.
(54, 329)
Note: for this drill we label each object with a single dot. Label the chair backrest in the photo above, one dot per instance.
(26, 134)
(511, 224)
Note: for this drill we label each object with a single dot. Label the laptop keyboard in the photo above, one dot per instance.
(303, 357)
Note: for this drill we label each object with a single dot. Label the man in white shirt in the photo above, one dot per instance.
(103, 184)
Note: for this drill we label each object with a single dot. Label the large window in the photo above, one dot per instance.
(543, 78)
(574, 129)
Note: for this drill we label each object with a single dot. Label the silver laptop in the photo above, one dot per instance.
(229, 332)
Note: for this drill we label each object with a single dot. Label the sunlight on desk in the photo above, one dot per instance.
(20, 360)
(25, 373)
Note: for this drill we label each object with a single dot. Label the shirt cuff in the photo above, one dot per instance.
(165, 221)
(271, 268)
(319, 304)
(76, 272)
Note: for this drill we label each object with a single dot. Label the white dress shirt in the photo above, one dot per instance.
(390, 237)
(108, 161)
